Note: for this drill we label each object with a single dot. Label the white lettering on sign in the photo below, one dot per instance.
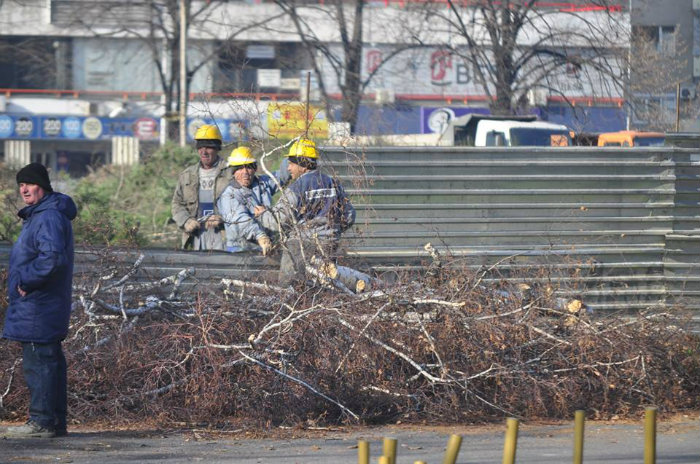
(52, 127)
(24, 127)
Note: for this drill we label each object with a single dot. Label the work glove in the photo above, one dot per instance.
(191, 226)
(265, 244)
(213, 221)
(258, 210)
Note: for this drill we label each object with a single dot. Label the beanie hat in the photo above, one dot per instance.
(34, 173)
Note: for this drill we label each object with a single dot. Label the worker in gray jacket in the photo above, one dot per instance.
(238, 201)
(198, 188)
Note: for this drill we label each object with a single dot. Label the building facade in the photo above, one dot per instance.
(76, 75)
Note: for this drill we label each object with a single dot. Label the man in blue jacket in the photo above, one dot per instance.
(39, 287)
(238, 201)
(312, 212)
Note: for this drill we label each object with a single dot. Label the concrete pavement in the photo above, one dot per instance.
(678, 441)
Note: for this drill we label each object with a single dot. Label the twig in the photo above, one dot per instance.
(352, 347)
(300, 382)
(134, 268)
(9, 381)
(265, 286)
(597, 364)
(417, 366)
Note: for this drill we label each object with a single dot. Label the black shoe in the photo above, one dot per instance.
(29, 430)
(61, 432)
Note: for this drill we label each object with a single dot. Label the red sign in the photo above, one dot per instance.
(374, 59)
(440, 62)
(146, 128)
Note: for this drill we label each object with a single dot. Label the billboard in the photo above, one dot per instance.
(289, 120)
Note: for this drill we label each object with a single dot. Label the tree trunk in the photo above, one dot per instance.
(352, 92)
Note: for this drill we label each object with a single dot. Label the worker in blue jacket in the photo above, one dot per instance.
(312, 213)
(39, 287)
(238, 201)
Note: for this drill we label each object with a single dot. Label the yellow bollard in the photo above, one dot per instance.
(383, 460)
(511, 442)
(650, 435)
(579, 420)
(362, 452)
(419, 462)
(389, 450)
(452, 451)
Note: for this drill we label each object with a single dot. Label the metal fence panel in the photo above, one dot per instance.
(633, 212)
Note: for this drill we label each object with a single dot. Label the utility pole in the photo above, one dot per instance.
(183, 73)
(678, 107)
(167, 116)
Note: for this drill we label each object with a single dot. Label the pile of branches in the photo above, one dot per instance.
(441, 346)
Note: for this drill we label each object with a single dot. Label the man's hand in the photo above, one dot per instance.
(213, 221)
(258, 210)
(191, 226)
(23, 293)
(265, 244)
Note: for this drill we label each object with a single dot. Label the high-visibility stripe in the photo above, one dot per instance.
(320, 193)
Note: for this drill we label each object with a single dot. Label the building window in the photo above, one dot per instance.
(663, 38)
(103, 13)
(654, 112)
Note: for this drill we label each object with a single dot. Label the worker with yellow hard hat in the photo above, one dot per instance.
(199, 186)
(314, 211)
(238, 201)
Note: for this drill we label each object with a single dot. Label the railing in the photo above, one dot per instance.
(124, 95)
(258, 96)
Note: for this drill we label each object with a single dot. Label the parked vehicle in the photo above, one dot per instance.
(508, 131)
(631, 139)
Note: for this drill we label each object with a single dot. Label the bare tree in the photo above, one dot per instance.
(348, 18)
(156, 24)
(515, 47)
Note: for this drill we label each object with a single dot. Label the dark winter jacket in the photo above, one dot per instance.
(41, 264)
(317, 203)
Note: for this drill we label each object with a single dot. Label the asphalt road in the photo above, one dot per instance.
(678, 441)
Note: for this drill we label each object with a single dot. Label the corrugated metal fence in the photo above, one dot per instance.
(618, 227)
(621, 227)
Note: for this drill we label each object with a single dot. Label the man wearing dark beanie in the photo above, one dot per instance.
(35, 173)
(39, 286)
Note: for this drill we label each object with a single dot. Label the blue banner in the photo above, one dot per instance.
(147, 129)
(77, 127)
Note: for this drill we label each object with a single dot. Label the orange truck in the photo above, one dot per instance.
(631, 139)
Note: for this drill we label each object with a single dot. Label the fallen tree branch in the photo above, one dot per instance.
(302, 383)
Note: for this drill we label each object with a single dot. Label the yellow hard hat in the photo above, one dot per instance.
(241, 156)
(303, 147)
(207, 132)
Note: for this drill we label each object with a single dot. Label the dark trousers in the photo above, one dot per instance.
(293, 262)
(45, 373)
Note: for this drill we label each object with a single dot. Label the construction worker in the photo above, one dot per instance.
(198, 188)
(238, 201)
(312, 212)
